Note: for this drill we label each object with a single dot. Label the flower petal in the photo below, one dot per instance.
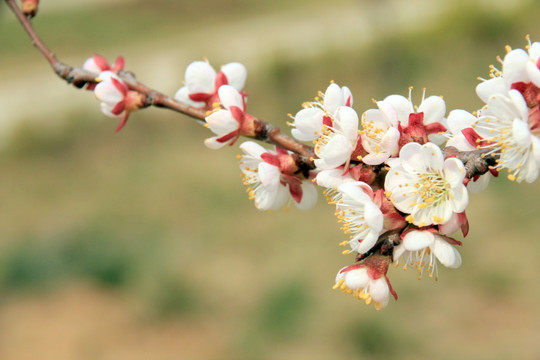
(446, 253)
(236, 74)
(200, 77)
(269, 175)
(454, 171)
(357, 278)
(229, 97)
(379, 292)
(412, 159)
(182, 95)
(418, 240)
(213, 144)
(402, 106)
(348, 121)
(335, 153)
(308, 123)
(514, 67)
(459, 120)
(434, 109)
(309, 196)
(488, 88)
(253, 149)
(461, 198)
(332, 178)
(222, 122)
(333, 98)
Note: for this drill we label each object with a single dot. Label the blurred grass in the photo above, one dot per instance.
(151, 214)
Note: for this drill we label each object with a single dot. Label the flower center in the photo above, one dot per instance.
(373, 133)
(512, 154)
(432, 189)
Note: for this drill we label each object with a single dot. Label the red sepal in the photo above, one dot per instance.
(101, 62)
(392, 291)
(296, 191)
(228, 137)
(199, 97)
(435, 128)
(237, 114)
(122, 122)
(119, 107)
(221, 79)
(472, 137)
(120, 86)
(270, 158)
(281, 151)
(118, 64)
(462, 218)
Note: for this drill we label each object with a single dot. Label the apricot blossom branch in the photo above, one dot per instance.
(80, 77)
(399, 175)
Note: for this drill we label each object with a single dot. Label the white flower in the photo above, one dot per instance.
(202, 82)
(380, 134)
(331, 179)
(421, 248)
(226, 123)
(367, 281)
(518, 66)
(338, 141)
(506, 129)
(267, 185)
(426, 123)
(111, 92)
(309, 122)
(361, 217)
(335, 97)
(117, 101)
(459, 120)
(98, 64)
(425, 185)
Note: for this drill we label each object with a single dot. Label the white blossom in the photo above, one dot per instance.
(366, 283)
(380, 134)
(337, 142)
(268, 186)
(202, 82)
(309, 122)
(459, 120)
(362, 219)
(226, 123)
(425, 185)
(507, 131)
(518, 66)
(422, 248)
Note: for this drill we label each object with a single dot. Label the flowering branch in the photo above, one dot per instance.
(80, 77)
(399, 175)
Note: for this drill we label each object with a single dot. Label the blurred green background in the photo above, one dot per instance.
(143, 244)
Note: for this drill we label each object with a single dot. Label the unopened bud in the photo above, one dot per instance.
(30, 7)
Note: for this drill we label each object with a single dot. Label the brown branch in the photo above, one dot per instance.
(476, 162)
(80, 77)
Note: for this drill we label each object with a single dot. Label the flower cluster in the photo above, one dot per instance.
(508, 126)
(202, 83)
(399, 175)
